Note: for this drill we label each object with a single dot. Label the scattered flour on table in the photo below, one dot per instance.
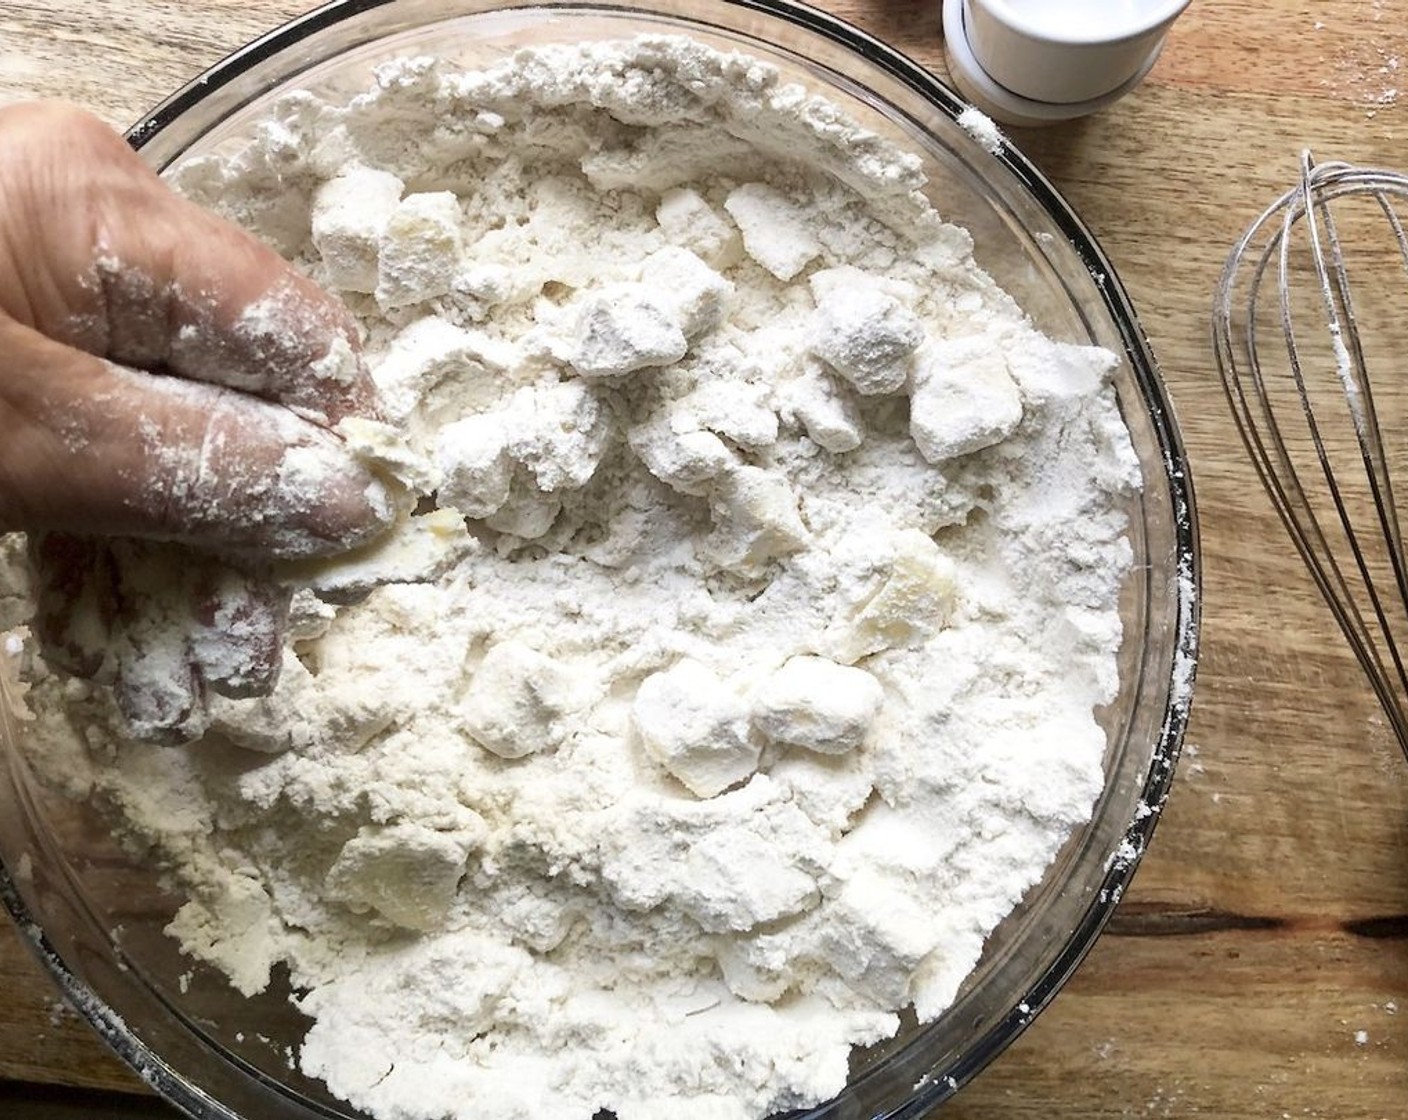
(742, 680)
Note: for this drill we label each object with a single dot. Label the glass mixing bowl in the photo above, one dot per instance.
(95, 913)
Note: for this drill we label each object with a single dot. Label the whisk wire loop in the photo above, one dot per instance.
(1277, 407)
(1352, 371)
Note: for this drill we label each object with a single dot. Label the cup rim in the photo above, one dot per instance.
(1156, 14)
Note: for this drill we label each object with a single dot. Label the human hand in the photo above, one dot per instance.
(163, 376)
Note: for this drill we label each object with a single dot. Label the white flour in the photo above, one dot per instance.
(981, 128)
(760, 687)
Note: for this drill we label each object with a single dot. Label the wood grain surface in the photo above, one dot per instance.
(1258, 968)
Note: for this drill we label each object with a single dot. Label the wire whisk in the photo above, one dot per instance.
(1316, 370)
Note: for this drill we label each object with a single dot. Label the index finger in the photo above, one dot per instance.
(187, 291)
(139, 275)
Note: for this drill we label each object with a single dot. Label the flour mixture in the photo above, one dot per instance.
(733, 675)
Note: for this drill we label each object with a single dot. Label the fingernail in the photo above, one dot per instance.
(324, 500)
(237, 639)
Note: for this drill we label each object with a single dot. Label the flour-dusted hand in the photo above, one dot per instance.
(127, 316)
(163, 376)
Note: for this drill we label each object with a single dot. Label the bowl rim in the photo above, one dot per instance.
(939, 1086)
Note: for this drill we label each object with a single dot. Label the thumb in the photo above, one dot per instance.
(100, 449)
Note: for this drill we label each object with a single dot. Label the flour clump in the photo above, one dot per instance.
(732, 669)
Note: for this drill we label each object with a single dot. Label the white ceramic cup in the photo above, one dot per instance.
(1065, 51)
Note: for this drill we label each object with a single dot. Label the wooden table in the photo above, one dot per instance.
(1258, 968)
